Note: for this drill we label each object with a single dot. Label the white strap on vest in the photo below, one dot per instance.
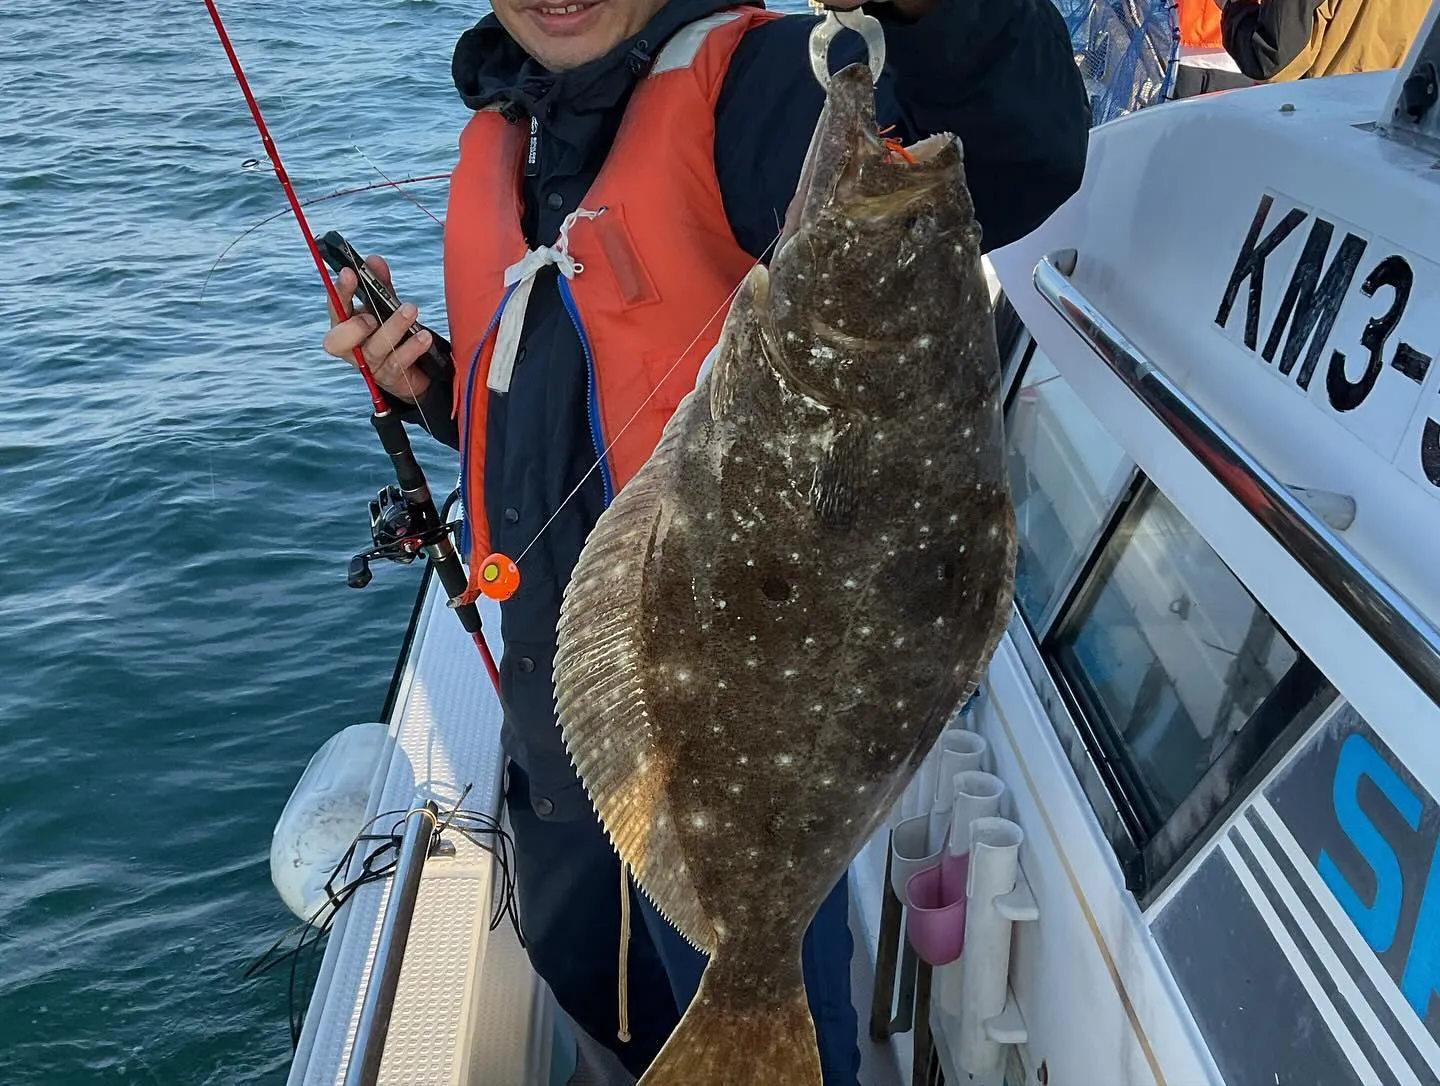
(521, 276)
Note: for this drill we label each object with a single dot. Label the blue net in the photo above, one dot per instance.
(1125, 50)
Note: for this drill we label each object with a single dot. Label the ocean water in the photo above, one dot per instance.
(184, 479)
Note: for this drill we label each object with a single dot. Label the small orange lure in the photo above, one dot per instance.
(896, 147)
(499, 577)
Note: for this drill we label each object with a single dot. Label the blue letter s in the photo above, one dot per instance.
(1378, 920)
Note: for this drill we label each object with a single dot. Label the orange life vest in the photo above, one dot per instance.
(1200, 25)
(652, 271)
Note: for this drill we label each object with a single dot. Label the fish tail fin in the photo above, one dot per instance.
(728, 1038)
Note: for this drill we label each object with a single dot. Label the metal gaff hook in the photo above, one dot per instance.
(867, 26)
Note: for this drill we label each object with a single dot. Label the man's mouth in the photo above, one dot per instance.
(567, 9)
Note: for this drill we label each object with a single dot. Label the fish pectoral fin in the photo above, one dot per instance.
(835, 491)
(741, 344)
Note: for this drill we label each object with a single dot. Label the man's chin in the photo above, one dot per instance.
(567, 36)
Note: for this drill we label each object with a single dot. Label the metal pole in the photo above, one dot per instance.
(369, 1047)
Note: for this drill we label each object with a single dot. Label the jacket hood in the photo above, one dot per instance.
(490, 67)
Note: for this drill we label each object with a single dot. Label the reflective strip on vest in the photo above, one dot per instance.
(684, 45)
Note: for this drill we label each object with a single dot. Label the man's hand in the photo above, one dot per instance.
(394, 369)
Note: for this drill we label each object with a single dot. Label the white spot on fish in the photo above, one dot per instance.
(860, 789)
(865, 631)
(809, 641)
(721, 684)
(744, 759)
(736, 789)
(954, 518)
(850, 582)
(719, 605)
(817, 708)
(789, 672)
(898, 643)
(752, 662)
(784, 759)
(826, 782)
(683, 675)
(717, 728)
(700, 820)
(900, 703)
(994, 531)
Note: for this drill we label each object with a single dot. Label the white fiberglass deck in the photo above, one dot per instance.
(445, 1028)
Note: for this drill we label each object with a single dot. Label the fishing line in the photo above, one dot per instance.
(482, 830)
(438, 221)
(723, 309)
(428, 534)
(387, 183)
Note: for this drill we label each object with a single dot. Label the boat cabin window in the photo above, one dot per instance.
(1168, 653)
(1169, 685)
(1066, 474)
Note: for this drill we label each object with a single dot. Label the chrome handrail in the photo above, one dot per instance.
(1385, 615)
(370, 1032)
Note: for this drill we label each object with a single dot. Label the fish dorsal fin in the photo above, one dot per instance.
(600, 694)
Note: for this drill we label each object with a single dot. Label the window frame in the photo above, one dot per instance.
(1151, 852)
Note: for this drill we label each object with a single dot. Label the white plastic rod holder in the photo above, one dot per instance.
(916, 798)
(977, 795)
(960, 751)
(986, 1023)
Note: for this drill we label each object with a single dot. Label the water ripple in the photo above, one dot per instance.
(185, 481)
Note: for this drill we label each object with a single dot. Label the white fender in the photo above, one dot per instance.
(323, 814)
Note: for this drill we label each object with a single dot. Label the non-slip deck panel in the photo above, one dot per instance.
(446, 724)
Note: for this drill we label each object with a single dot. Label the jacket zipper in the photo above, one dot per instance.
(471, 510)
(592, 398)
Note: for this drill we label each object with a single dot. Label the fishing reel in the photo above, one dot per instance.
(400, 529)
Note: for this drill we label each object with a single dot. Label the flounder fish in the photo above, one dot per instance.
(772, 623)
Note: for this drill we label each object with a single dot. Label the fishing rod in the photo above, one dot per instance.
(403, 519)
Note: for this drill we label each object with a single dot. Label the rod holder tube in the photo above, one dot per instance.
(985, 966)
(960, 751)
(374, 1024)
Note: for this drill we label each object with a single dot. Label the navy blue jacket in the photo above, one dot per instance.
(998, 73)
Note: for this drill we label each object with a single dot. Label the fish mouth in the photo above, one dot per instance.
(847, 142)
